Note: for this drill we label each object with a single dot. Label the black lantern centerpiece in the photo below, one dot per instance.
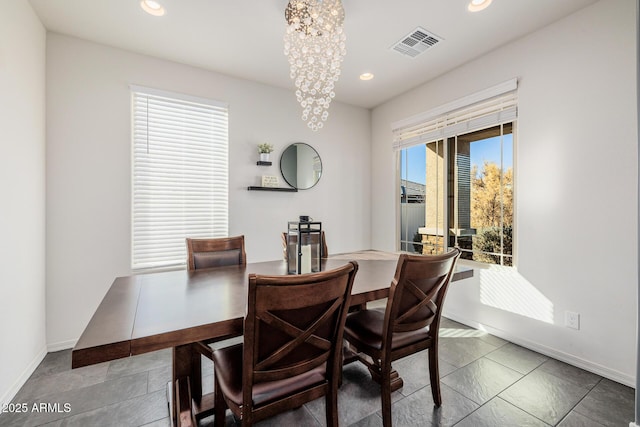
(304, 248)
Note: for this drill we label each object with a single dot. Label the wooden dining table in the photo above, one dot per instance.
(178, 309)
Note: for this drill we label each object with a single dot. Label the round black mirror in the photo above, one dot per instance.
(301, 166)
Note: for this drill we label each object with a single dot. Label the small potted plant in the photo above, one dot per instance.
(265, 149)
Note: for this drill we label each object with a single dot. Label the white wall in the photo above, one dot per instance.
(88, 173)
(576, 195)
(22, 191)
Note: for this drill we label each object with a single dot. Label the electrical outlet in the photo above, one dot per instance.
(572, 320)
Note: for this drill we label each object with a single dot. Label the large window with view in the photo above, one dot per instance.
(456, 167)
(477, 177)
(179, 175)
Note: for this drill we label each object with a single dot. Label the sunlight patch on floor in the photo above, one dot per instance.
(461, 333)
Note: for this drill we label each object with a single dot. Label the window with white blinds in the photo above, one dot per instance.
(456, 176)
(179, 174)
(490, 107)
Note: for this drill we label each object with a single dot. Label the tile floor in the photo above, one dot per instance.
(486, 381)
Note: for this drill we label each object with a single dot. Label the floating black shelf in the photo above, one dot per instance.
(291, 190)
(259, 163)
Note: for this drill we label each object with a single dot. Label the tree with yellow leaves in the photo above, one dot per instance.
(492, 211)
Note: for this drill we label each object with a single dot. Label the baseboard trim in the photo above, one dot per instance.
(22, 379)
(26, 373)
(587, 365)
(62, 345)
(632, 424)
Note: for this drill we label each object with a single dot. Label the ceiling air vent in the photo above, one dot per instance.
(416, 42)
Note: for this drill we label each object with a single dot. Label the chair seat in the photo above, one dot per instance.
(228, 362)
(366, 327)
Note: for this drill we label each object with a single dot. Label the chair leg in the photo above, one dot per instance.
(220, 408)
(331, 402)
(385, 391)
(434, 375)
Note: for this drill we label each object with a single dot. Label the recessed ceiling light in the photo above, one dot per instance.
(366, 76)
(478, 5)
(152, 7)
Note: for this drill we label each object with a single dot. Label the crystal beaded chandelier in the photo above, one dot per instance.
(315, 45)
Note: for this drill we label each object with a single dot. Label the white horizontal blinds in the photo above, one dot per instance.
(484, 109)
(180, 175)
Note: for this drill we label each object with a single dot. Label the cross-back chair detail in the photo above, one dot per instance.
(292, 350)
(298, 337)
(409, 323)
(412, 302)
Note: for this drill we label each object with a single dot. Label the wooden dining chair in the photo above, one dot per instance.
(323, 242)
(292, 350)
(209, 254)
(215, 252)
(407, 325)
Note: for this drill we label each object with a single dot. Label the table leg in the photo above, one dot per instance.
(396, 380)
(187, 384)
(187, 403)
(351, 355)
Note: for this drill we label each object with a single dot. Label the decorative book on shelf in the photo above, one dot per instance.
(270, 181)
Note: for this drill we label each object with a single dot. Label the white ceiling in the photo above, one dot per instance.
(244, 38)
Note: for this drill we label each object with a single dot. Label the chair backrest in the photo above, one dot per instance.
(325, 250)
(417, 293)
(295, 324)
(218, 252)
